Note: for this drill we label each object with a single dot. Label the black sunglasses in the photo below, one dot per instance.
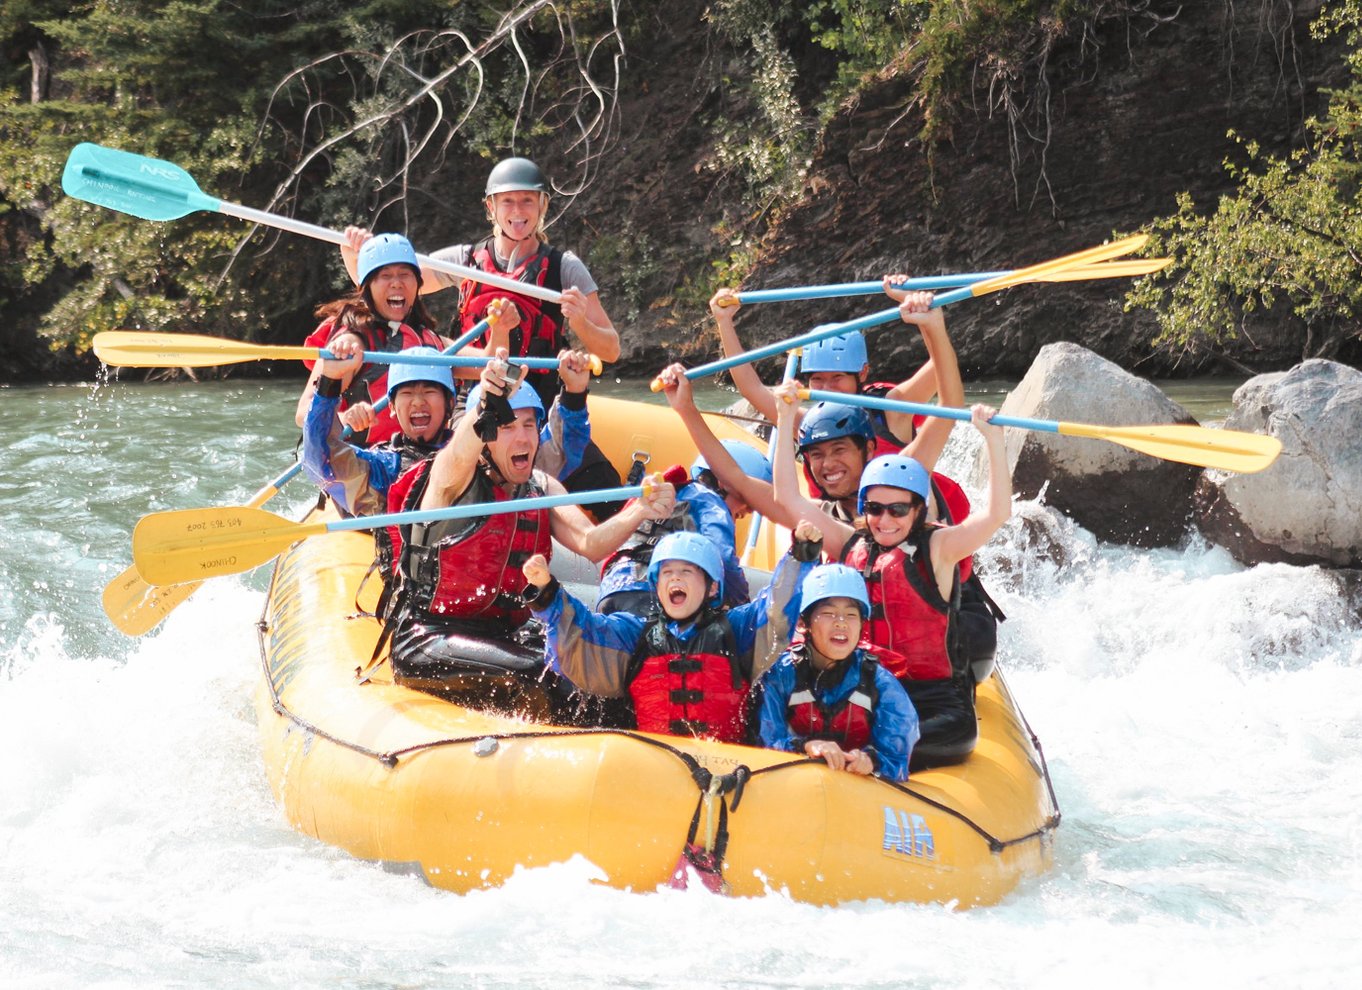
(896, 509)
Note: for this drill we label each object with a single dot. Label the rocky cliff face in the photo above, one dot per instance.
(1132, 115)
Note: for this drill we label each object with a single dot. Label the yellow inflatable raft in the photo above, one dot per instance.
(407, 779)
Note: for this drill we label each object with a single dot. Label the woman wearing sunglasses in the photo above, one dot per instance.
(911, 568)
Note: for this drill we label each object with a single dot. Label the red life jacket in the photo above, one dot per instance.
(541, 332)
(693, 688)
(371, 381)
(908, 617)
(850, 722)
(475, 572)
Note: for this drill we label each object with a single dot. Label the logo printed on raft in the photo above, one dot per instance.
(908, 835)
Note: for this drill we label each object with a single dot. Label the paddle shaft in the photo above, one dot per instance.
(932, 283)
(143, 187)
(193, 544)
(479, 509)
(923, 409)
(754, 525)
(1225, 450)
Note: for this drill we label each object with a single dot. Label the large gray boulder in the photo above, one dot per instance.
(1115, 493)
(1307, 507)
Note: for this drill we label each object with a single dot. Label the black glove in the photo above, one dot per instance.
(496, 413)
(806, 550)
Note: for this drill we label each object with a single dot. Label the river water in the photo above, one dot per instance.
(1203, 724)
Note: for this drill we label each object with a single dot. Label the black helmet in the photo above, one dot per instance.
(513, 174)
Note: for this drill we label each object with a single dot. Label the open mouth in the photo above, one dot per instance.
(677, 596)
(420, 420)
(520, 461)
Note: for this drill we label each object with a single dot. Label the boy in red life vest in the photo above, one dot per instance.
(831, 699)
(384, 313)
(912, 574)
(703, 506)
(687, 668)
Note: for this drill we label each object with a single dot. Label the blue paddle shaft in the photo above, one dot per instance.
(813, 336)
(441, 360)
(486, 508)
(930, 283)
(919, 409)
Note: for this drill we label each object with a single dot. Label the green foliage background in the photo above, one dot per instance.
(265, 104)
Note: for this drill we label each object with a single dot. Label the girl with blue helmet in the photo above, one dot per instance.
(830, 699)
(384, 313)
(687, 666)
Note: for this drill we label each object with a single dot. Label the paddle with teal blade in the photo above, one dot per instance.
(158, 190)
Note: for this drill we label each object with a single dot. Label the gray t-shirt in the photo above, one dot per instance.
(575, 272)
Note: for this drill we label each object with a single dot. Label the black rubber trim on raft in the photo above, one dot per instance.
(733, 782)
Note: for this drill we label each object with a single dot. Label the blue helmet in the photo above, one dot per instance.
(525, 397)
(693, 549)
(386, 249)
(833, 581)
(845, 353)
(752, 461)
(405, 374)
(831, 420)
(896, 471)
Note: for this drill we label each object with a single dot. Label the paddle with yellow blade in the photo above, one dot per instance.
(1036, 273)
(146, 349)
(136, 607)
(1227, 450)
(152, 189)
(193, 544)
(935, 283)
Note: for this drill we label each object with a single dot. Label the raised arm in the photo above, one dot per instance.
(452, 468)
(955, 543)
(930, 441)
(755, 492)
(795, 502)
(745, 377)
(574, 529)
